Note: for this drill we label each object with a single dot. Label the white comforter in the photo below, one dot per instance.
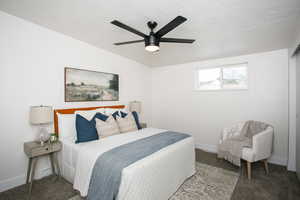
(155, 177)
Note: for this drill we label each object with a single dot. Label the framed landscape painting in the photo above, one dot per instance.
(85, 85)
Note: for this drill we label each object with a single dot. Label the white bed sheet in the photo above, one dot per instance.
(68, 158)
(157, 176)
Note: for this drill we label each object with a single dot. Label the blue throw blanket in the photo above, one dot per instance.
(107, 171)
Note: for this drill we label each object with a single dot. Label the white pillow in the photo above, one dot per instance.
(87, 114)
(66, 126)
(101, 110)
(109, 111)
(107, 128)
(127, 123)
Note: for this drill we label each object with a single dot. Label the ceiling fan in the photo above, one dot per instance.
(153, 39)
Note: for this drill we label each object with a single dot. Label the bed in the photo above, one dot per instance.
(156, 176)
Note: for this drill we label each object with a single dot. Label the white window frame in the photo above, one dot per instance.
(197, 87)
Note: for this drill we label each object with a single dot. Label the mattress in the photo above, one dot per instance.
(68, 158)
(157, 176)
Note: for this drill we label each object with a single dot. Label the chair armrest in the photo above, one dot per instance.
(262, 144)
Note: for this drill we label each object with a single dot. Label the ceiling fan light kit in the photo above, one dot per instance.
(152, 48)
(153, 40)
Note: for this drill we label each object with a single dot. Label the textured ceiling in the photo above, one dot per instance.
(221, 27)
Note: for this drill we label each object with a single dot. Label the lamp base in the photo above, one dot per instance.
(41, 143)
(44, 136)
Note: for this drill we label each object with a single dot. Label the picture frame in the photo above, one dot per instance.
(81, 85)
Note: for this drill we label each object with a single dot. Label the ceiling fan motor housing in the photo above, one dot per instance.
(151, 40)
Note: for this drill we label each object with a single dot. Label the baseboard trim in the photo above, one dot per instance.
(213, 149)
(21, 179)
(278, 160)
(291, 166)
(207, 147)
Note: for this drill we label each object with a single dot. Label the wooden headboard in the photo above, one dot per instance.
(72, 111)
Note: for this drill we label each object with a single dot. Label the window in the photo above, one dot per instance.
(209, 79)
(229, 77)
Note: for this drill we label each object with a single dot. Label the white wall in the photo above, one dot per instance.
(176, 106)
(298, 116)
(32, 61)
(292, 114)
(292, 100)
(295, 40)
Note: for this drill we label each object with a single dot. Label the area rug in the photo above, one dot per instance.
(209, 183)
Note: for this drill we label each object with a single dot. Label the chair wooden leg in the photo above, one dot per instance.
(249, 170)
(266, 166)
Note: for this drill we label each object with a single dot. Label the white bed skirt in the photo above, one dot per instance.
(155, 177)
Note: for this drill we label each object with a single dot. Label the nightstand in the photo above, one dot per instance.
(34, 150)
(143, 125)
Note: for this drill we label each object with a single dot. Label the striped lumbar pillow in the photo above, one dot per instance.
(127, 123)
(107, 128)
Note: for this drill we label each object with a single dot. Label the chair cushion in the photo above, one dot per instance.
(248, 154)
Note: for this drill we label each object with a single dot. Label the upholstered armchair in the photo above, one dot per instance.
(261, 145)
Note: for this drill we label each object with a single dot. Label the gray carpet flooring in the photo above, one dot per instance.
(279, 184)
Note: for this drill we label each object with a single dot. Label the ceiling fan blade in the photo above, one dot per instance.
(129, 42)
(170, 26)
(128, 28)
(176, 40)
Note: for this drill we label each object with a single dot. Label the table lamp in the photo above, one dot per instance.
(135, 106)
(41, 115)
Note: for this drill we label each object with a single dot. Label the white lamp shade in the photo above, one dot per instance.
(135, 106)
(40, 114)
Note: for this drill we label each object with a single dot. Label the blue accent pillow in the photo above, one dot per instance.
(86, 130)
(99, 116)
(123, 114)
(135, 116)
(115, 114)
